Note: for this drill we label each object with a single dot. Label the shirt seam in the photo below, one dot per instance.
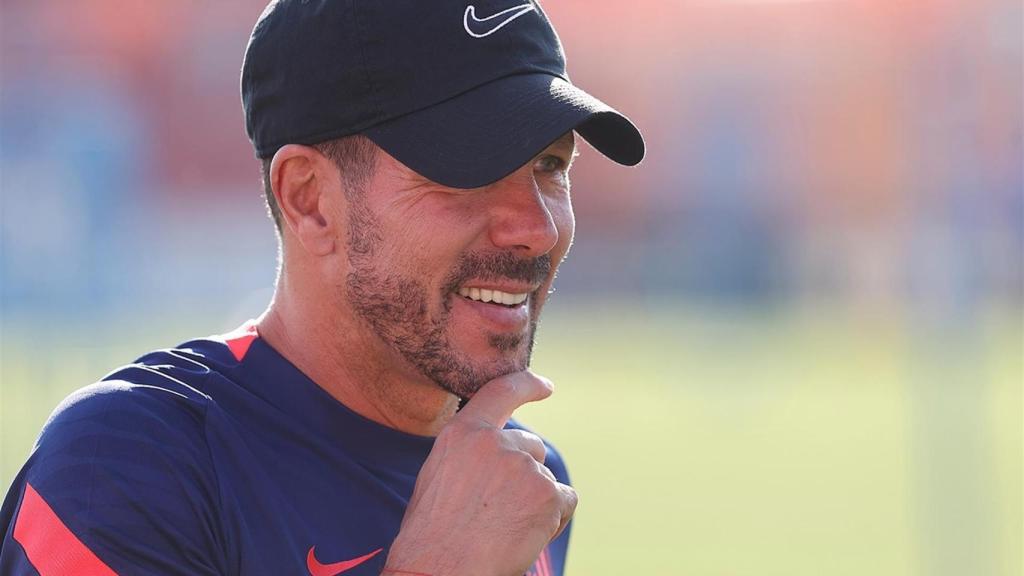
(216, 478)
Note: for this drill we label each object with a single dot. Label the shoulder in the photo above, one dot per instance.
(130, 451)
(167, 386)
(142, 417)
(162, 388)
(153, 408)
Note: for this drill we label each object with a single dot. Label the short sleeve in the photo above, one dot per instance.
(120, 482)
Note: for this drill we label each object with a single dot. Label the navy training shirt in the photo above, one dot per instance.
(218, 457)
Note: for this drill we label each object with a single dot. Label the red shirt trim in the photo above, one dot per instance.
(51, 548)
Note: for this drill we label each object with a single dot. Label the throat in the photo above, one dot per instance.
(415, 407)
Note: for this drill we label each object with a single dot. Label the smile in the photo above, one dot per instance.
(493, 296)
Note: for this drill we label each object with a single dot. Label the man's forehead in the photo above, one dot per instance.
(567, 140)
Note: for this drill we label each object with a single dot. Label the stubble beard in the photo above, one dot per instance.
(397, 309)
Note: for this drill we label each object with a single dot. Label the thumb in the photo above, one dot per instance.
(496, 400)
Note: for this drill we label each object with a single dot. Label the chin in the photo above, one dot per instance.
(465, 376)
(461, 361)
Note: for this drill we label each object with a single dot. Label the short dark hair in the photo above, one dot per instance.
(355, 156)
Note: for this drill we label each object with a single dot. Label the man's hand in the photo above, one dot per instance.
(484, 504)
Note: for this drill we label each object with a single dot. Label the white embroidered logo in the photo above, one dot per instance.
(512, 13)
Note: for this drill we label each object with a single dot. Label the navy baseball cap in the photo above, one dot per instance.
(462, 92)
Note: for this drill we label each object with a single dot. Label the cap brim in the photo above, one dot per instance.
(483, 135)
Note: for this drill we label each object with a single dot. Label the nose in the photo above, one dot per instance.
(520, 217)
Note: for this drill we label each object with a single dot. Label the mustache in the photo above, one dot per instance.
(499, 265)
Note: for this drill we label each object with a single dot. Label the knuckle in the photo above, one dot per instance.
(527, 434)
(525, 460)
(541, 451)
(532, 438)
(572, 499)
(546, 489)
(522, 461)
(530, 443)
(547, 472)
(554, 522)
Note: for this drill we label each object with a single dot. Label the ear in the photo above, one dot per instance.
(305, 185)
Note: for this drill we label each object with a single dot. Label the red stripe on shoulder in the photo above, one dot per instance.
(545, 559)
(240, 340)
(51, 548)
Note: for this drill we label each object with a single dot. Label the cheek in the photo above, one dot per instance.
(565, 223)
(427, 244)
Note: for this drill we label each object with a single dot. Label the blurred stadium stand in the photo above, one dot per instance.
(865, 153)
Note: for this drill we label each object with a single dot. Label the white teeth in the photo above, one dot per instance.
(496, 296)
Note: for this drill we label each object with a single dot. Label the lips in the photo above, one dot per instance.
(503, 307)
(494, 296)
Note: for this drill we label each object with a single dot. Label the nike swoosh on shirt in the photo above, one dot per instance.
(492, 22)
(318, 569)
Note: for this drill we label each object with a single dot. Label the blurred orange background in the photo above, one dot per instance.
(798, 149)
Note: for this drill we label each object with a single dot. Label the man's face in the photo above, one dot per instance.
(453, 280)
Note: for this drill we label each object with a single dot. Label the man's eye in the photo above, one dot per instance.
(550, 163)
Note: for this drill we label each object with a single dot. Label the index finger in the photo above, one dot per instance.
(496, 400)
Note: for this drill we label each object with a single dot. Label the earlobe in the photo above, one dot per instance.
(301, 184)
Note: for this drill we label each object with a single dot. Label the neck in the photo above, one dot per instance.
(357, 373)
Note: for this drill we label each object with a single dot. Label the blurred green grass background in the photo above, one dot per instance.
(714, 442)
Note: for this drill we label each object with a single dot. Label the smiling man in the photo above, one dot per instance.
(416, 162)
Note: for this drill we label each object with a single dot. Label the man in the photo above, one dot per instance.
(416, 159)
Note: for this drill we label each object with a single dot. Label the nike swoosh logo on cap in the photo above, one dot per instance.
(493, 22)
(318, 569)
